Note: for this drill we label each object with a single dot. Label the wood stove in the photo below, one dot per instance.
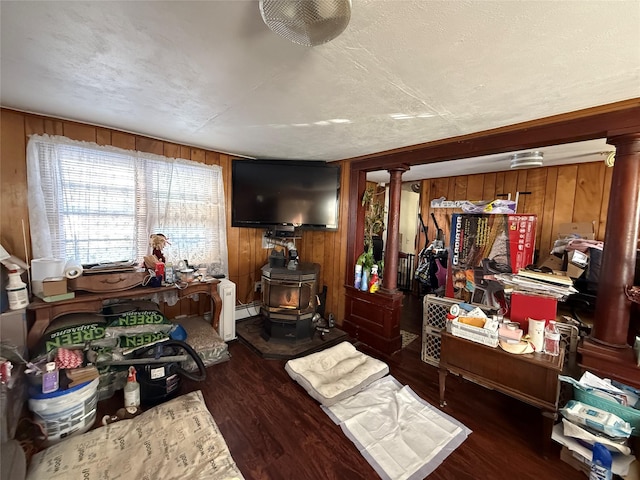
(289, 301)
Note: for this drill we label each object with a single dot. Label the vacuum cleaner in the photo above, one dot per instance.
(158, 370)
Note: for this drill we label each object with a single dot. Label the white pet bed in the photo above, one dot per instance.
(336, 372)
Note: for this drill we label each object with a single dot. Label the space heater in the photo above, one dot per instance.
(227, 324)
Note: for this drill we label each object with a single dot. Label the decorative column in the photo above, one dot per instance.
(620, 245)
(374, 318)
(390, 278)
(607, 352)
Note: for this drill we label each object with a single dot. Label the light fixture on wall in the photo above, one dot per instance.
(527, 159)
(306, 22)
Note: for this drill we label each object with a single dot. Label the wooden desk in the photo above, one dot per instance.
(83, 302)
(531, 378)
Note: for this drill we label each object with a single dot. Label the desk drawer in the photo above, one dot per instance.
(107, 282)
(532, 378)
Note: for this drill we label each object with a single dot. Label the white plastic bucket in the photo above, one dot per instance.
(67, 412)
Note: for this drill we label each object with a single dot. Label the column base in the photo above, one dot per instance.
(609, 362)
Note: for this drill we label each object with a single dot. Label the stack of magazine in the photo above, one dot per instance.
(557, 285)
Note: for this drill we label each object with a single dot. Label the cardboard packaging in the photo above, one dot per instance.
(553, 262)
(483, 244)
(576, 263)
(573, 262)
(579, 230)
(54, 286)
(576, 460)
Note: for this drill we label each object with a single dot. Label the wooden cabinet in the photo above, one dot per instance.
(374, 318)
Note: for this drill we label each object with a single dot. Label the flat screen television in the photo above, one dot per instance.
(285, 194)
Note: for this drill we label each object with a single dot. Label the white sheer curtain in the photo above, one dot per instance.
(100, 204)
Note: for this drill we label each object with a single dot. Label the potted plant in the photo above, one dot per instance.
(374, 219)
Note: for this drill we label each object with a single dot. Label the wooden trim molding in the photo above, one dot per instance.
(588, 124)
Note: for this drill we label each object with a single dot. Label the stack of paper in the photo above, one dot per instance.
(559, 278)
(536, 283)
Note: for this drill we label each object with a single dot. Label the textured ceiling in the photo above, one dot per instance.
(212, 75)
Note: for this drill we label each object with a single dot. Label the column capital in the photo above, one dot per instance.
(628, 143)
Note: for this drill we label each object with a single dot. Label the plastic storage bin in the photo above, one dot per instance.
(66, 412)
(628, 414)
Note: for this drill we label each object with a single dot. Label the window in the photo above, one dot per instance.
(100, 204)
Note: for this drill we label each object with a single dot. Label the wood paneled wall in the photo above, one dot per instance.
(246, 255)
(571, 193)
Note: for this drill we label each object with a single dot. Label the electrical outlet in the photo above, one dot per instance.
(257, 287)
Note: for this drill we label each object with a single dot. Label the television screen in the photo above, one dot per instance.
(272, 193)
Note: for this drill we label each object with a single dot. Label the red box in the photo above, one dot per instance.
(525, 306)
(482, 244)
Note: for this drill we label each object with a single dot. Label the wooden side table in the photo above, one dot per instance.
(531, 378)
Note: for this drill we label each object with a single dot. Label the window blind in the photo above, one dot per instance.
(100, 204)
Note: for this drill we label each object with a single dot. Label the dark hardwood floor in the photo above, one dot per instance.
(275, 430)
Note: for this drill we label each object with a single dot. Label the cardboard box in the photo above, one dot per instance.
(475, 334)
(479, 242)
(576, 263)
(579, 229)
(579, 259)
(54, 286)
(553, 262)
(576, 460)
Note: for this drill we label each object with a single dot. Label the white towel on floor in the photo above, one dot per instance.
(400, 435)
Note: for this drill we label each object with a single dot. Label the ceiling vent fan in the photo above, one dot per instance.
(306, 22)
(527, 159)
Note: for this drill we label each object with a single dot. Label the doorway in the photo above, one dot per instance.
(411, 316)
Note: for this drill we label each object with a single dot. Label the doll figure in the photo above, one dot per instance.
(158, 241)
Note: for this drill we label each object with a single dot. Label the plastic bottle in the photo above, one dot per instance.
(50, 378)
(169, 275)
(551, 339)
(374, 280)
(160, 272)
(358, 281)
(364, 283)
(16, 290)
(600, 463)
(132, 392)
